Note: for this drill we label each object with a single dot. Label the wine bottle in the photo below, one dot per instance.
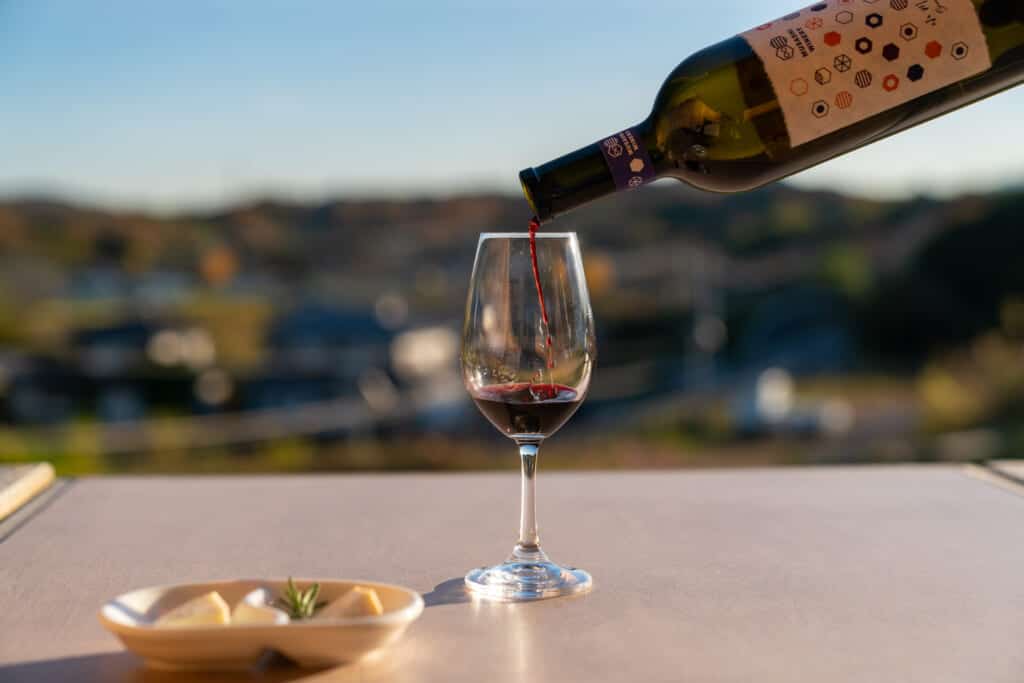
(795, 92)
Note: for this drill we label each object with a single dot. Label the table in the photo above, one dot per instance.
(884, 573)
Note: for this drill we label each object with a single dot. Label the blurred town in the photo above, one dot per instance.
(780, 326)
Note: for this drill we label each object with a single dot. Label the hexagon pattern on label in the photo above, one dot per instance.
(887, 51)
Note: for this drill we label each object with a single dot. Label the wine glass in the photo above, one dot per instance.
(527, 353)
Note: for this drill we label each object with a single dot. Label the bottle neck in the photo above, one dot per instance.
(618, 162)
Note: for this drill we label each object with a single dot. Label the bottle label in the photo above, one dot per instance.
(841, 61)
(627, 159)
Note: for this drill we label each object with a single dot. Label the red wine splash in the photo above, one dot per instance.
(534, 224)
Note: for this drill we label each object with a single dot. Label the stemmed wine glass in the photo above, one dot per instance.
(528, 376)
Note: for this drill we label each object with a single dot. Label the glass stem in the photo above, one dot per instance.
(528, 547)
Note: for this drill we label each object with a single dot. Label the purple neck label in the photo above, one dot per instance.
(627, 159)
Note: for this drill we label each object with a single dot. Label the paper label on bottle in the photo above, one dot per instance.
(627, 159)
(841, 61)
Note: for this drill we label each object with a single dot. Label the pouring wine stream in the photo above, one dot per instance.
(533, 225)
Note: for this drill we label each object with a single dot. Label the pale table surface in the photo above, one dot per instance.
(892, 573)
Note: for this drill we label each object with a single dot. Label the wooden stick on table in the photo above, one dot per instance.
(21, 483)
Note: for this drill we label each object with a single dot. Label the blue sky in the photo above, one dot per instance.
(191, 104)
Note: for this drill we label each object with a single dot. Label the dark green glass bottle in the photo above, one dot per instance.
(790, 94)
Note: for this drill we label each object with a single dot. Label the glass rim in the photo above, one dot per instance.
(526, 235)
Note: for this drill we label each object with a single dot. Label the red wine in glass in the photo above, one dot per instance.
(527, 409)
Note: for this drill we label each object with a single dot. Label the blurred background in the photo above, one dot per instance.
(237, 236)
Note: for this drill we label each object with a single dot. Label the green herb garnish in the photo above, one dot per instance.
(300, 604)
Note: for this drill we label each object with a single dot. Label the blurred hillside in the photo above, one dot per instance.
(774, 326)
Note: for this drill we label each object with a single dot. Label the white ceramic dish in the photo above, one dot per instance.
(314, 642)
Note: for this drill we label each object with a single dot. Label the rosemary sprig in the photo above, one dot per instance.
(300, 604)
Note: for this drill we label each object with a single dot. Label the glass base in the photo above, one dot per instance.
(527, 576)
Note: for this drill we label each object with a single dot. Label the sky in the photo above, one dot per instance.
(183, 105)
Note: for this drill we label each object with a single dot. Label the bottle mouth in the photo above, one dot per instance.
(529, 181)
